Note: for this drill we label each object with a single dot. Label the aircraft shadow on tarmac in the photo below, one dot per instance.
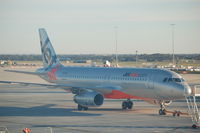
(45, 110)
(106, 109)
(114, 126)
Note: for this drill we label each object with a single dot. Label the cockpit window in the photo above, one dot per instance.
(165, 79)
(173, 80)
(182, 79)
(177, 79)
(170, 79)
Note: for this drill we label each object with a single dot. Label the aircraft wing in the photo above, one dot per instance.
(25, 72)
(104, 89)
(36, 85)
(69, 88)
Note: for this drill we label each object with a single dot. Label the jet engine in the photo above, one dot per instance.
(89, 99)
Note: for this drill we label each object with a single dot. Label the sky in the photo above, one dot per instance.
(88, 26)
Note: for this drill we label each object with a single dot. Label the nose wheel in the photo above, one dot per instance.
(128, 104)
(162, 111)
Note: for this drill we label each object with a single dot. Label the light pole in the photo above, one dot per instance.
(136, 58)
(173, 58)
(116, 52)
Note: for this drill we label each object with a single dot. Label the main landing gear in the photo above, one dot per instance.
(128, 104)
(81, 108)
(162, 111)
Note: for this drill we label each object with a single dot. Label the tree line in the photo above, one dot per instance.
(111, 58)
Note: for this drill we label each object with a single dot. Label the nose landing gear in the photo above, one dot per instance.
(162, 111)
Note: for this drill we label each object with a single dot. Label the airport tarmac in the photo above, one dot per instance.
(44, 109)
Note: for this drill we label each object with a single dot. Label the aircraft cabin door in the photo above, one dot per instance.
(150, 82)
(107, 77)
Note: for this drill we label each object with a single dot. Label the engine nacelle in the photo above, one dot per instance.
(89, 99)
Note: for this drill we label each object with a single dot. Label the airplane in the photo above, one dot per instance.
(91, 85)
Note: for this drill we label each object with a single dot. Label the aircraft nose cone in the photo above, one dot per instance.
(188, 90)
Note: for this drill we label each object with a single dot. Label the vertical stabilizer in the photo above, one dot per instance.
(48, 54)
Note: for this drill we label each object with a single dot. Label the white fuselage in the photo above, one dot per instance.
(139, 82)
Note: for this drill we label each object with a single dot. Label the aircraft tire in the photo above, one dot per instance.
(124, 105)
(130, 105)
(162, 112)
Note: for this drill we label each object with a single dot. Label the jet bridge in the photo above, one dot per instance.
(193, 102)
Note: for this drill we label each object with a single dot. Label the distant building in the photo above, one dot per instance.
(2, 62)
(82, 61)
(8, 62)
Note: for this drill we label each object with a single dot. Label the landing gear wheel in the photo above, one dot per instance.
(162, 112)
(130, 104)
(127, 104)
(124, 104)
